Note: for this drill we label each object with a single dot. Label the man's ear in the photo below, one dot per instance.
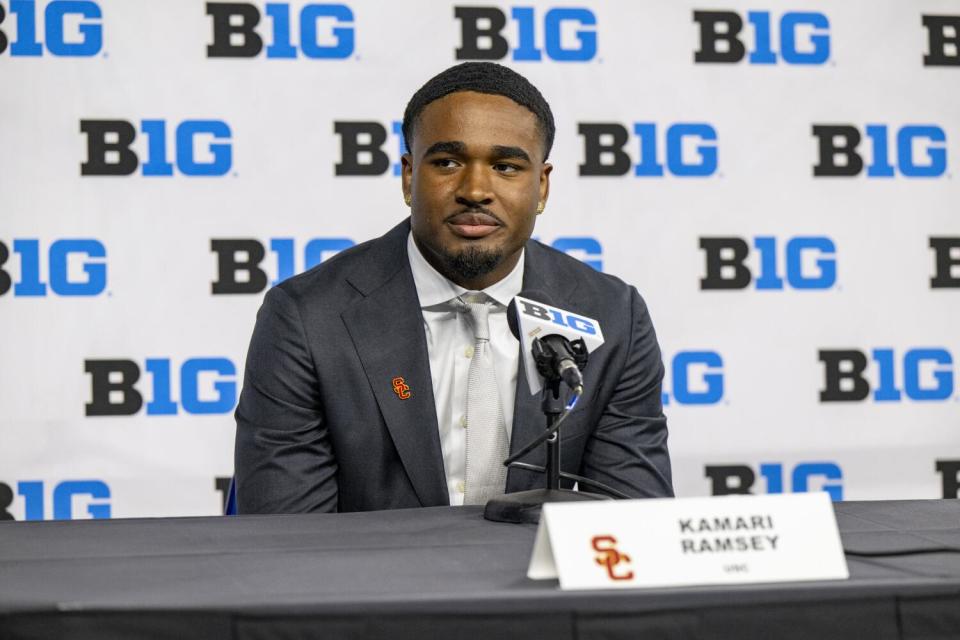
(406, 175)
(545, 182)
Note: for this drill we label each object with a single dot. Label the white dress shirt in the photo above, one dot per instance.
(450, 345)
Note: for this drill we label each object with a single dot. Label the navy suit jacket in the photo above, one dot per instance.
(320, 426)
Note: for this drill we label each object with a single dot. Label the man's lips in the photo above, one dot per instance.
(473, 224)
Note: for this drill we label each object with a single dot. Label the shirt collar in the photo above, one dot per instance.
(433, 288)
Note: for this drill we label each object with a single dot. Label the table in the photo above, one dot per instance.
(440, 572)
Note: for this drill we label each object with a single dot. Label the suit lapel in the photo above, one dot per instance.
(386, 327)
(540, 273)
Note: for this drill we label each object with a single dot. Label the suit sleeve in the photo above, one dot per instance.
(284, 461)
(628, 447)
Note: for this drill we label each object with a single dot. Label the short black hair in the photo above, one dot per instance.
(482, 77)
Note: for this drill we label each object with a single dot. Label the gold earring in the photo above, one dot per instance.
(540, 207)
(407, 199)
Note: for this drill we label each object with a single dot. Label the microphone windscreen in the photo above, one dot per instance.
(532, 294)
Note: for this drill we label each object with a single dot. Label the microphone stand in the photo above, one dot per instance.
(525, 506)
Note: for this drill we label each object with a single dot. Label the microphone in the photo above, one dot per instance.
(555, 342)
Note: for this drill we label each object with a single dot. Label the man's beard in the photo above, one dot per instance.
(472, 262)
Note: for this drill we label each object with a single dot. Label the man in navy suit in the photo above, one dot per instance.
(355, 394)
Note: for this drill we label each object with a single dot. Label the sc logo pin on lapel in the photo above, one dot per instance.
(401, 388)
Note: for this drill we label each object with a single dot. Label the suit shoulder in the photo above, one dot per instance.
(604, 284)
(328, 276)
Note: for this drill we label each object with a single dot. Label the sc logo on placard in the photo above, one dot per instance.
(208, 386)
(85, 41)
(924, 374)
(946, 263)
(912, 151)
(943, 41)
(568, 34)
(807, 263)
(74, 267)
(806, 476)
(696, 378)
(65, 496)
(109, 151)
(683, 149)
(804, 38)
(326, 31)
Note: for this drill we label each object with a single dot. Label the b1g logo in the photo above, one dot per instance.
(689, 149)
(697, 378)
(950, 473)
(64, 496)
(943, 41)
(326, 30)
(741, 479)
(74, 267)
(201, 148)
(85, 42)
(361, 148)
(207, 386)
(240, 260)
(923, 374)
(241, 269)
(808, 262)
(920, 151)
(804, 38)
(568, 34)
(946, 263)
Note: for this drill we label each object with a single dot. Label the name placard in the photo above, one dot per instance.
(688, 541)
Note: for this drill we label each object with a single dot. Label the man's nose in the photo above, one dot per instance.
(475, 186)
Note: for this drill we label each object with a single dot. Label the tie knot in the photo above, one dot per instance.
(477, 308)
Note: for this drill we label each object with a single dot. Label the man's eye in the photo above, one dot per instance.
(503, 167)
(444, 163)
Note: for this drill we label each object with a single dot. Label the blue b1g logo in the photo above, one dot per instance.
(481, 34)
(696, 378)
(64, 496)
(804, 37)
(805, 476)
(57, 14)
(74, 267)
(911, 151)
(682, 149)
(924, 374)
(808, 262)
(326, 30)
(109, 150)
(208, 386)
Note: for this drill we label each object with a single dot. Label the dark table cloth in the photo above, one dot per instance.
(440, 573)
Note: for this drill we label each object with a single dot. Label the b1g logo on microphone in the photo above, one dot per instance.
(683, 149)
(804, 37)
(207, 386)
(807, 262)
(326, 31)
(240, 260)
(805, 476)
(912, 151)
(696, 378)
(200, 148)
(92, 497)
(943, 41)
(920, 374)
(946, 263)
(567, 34)
(950, 473)
(71, 28)
(74, 267)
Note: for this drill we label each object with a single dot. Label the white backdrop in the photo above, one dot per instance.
(146, 239)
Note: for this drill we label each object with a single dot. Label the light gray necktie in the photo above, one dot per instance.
(486, 476)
